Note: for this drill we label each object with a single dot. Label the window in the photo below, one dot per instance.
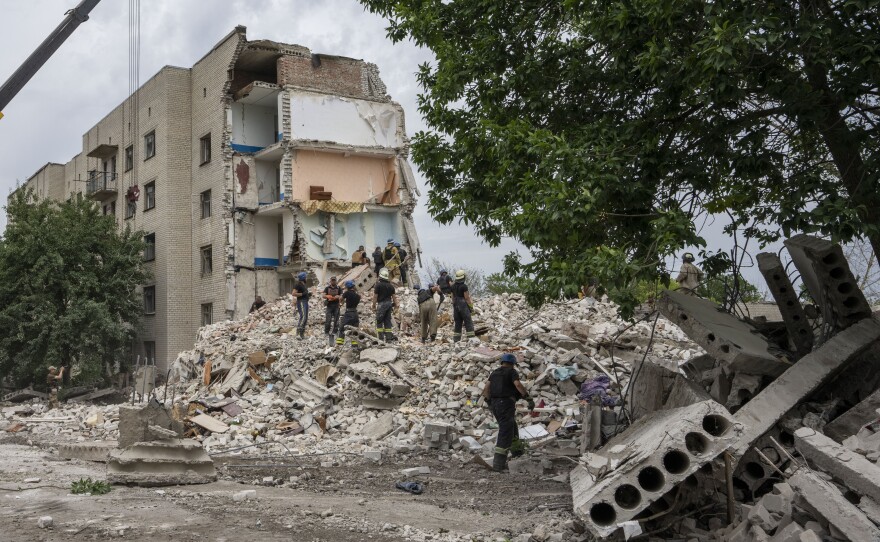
(205, 146)
(207, 313)
(110, 209)
(206, 203)
(149, 195)
(129, 158)
(150, 145)
(150, 350)
(207, 261)
(149, 299)
(130, 208)
(149, 247)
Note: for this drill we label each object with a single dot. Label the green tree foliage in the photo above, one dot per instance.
(726, 291)
(499, 283)
(68, 283)
(475, 280)
(595, 131)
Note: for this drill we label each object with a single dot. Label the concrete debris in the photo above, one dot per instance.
(161, 463)
(45, 522)
(826, 501)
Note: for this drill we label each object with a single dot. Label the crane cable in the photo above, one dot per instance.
(134, 83)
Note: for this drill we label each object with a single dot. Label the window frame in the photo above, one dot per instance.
(130, 209)
(207, 309)
(148, 348)
(207, 263)
(205, 150)
(205, 198)
(149, 257)
(152, 289)
(149, 152)
(129, 158)
(149, 199)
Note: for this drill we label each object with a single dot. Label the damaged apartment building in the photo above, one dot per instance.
(262, 160)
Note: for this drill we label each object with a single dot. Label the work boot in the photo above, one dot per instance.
(331, 340)
(433, 337)
(300, 334)
(424, 340)
(499, 464)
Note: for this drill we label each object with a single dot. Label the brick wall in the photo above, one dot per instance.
(335, 75)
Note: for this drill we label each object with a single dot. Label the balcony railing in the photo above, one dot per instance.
(101, 184)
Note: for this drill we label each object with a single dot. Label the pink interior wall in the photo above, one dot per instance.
(349, 178)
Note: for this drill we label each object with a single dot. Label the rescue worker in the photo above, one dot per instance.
(445, 283)
(428, 311)
(257, 304)
(332, 295)
(301, 295)
(404, 266)
(359, 257)
(690, 276)
(462, 305)
(54, 379)
(502, 391)
(378, 259)
(351, 299)
(384, 301)
(392, 260)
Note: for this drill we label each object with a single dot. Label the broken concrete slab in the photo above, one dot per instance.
(827, 276)
(134, 422)
(26, 394)
(648, 392)
(374, 383)
(97, 394)
(651, 457)
(87, 451)
(850, 468)
(376, 403)
(161, 463)
(684, 392)
(798, 382)
(307, 389)
(824, 499)
(849, 423)
(379, 356)
(786, 297)
(380, 427)
(725, 337)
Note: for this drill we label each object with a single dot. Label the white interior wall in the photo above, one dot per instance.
(266, 241)
(253, 127)
(266, 175)
(344, 120)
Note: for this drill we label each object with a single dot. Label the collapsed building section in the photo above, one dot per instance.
(319, 167)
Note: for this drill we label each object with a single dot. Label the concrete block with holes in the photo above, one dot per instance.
(786, 298)
(650, 458)
(827, 276)
(734, 343)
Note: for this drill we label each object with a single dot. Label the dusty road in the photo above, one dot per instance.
(353, 499)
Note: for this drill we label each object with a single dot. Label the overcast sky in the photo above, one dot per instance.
(88, 77)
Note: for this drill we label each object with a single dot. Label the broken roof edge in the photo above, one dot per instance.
(239, 30)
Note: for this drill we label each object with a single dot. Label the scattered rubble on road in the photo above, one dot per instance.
(689, 424)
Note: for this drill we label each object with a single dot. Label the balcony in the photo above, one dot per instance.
(101, 185)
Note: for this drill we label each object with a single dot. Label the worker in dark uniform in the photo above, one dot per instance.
(301, 295)
(54, 379)
(350, 318)
(502, 392)
(378, 259)
(384, 301)
(404, 266)
(444, 281)
(257, 304)
(332, 295)
(462, 304)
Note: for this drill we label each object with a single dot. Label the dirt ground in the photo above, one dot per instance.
(332, 498)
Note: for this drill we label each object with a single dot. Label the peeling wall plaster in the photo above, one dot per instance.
(344, 120)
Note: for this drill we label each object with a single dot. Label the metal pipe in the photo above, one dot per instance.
(73, 18)
(728, 472)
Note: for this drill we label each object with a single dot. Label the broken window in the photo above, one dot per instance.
(149, 195)
(149, 300)
(205, 146)
(207, 313)
(149, 247)
(150, 145)
(150, 351)
(129, 158)
(207, 260)
(206, 203)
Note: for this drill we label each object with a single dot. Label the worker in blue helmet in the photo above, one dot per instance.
(502, 391)
(351, 299)
(301, 297)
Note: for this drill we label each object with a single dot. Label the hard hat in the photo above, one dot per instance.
(53, 368)
(349, 284)
(508, 358)
(460, 274)
(391, 240)
(397, 245)
(443, 272)
(332, 279)
(383, 273)
(417, 287)
(688, 257)
(302, 275)
(431, 285)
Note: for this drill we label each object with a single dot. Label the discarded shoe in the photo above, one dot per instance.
(410, 487)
